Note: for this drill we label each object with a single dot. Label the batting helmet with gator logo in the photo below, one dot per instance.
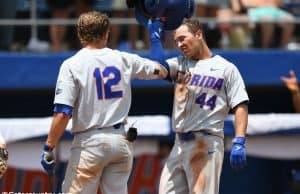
(171, 12)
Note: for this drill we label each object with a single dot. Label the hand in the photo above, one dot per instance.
(155, 29)
(3, 160)
(131, 134)
(238, 153)
(183, 77)
(47, 159)
(291, 82)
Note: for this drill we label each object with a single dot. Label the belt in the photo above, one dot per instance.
(191, 135)
(109, 129)
(115, 126)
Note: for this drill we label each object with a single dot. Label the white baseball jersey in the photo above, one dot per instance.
(97, 84)
(204, 100)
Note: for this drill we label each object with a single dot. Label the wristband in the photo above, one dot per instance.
(239, 140)
(47, 148)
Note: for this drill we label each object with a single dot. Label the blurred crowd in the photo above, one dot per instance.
(230, 24)
(245, 24)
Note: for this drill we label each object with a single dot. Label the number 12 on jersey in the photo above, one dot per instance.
(211, 102)
(104, 89)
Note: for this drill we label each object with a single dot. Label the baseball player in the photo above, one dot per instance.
(3, 156)
(93, 87)
(207, 86)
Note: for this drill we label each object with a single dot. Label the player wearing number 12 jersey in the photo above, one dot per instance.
(93, 86)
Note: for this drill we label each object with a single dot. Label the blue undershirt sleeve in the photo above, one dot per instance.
(63, 108)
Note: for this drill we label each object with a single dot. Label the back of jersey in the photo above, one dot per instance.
(96, 83)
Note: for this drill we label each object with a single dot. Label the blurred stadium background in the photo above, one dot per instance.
(29, 67)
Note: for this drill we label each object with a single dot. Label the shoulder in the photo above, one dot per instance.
(224, 62)
(75, 57)
(175, 61)
(134, 58)
(221, 59)
(125, 54)
(71, 62)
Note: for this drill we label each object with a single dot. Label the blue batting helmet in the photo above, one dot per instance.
(171, 12)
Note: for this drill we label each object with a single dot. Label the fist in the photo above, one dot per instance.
(182, 77)
(155, 29)
(47, 159)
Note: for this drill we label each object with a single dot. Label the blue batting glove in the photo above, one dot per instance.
(47, 159)
(155, 29)
(238, 153)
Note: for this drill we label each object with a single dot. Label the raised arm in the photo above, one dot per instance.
(157, 52)
(292, 84)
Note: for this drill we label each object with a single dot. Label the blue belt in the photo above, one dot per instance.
(117, 126)
(190, 135)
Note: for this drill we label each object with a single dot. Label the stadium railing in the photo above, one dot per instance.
(34, 21)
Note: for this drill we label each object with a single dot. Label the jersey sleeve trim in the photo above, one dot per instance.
(63, 108)
(242, 102)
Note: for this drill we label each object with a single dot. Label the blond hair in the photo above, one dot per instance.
(92, 26)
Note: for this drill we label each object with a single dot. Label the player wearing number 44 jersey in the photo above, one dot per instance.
(207, 86)
(93, 87)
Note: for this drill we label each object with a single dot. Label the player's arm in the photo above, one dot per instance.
(292, 84)
(241, 119)
(160, 72)
(238, 150)
(61, 117)
(157, 52)
(65, 95)
(238, 101)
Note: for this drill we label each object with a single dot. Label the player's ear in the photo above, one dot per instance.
(107, 35)
(199, 34)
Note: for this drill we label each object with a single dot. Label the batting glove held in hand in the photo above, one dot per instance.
(155, 29)
(238, 153)
(47, 159)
